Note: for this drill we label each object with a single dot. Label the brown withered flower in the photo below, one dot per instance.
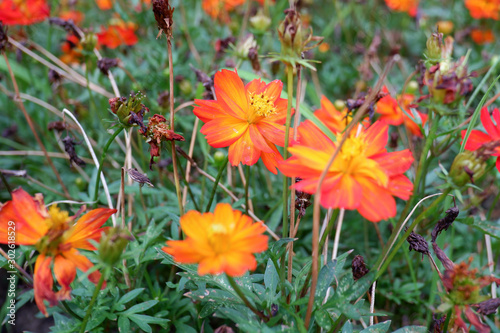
(140, 178)
(418, 243)
(488, 307)
(302, 200)
(206, 81)
(253, 56)
(354, 104)
(445, 222)
(358, 267)
(105, 64)
(69, 147)
(163, 16)
(158, 130)
(68, 25)
(129, 111)
(58, 126)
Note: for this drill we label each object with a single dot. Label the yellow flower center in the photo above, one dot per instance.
(262, 105)
(354, 146)
(58, 220)
(218, 237)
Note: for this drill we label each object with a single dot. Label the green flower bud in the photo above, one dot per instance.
(80, 183)
(112, 245)
(467, 166)
(89, 42)
(219, 158)
(260, 22)
(186, 87)
(412, 87)
(434, 44)
(339, 105)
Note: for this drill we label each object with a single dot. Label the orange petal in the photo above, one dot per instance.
(377, 136)
(272, 160)
(376, 202)
(184, 251)
(224, 131)
(476, 139)
(238, 263)
(255, 86)
(279, 117)
(65, 272)
(273, 132)
(273, 90)
(342, 191)
(207, 110)
(258, 139)
(83, 264)
(400, 186)
(231, 93)
(244, 151)
(89, 227)
(42, 283)
(493, 131)
(394, 163)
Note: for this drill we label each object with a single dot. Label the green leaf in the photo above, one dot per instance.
(325, 279)
(323, 319)
(412, 329)
(490, 228)
(130, 295)
(123, 324)
(347, 328)
(378, 328)
(142, 325)
(271, 277)
(141, 307)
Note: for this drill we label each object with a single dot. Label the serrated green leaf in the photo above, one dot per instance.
(130, 295)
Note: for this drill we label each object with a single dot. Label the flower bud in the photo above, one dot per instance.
(186, 87)
(260, 22)
(219, 158)
(290, 33)
(445, 27)
(467, 166)
(434, 44)
(89, 42)
(412, 87)
(339, 105)
(112, 245)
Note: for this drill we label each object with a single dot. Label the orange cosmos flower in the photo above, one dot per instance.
(364, 176)
(118, 33)
(391, 112)
(72, 50)
(220, 8)
(248, 119)
(23, 12)
(479, 9)
(220, 242)
(478, 139)
(481, 37)
(104, 4)
(408, 6)
(74, 15)
(56, 238)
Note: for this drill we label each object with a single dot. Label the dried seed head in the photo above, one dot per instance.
(418, 243)
(67, 25)
(163, 16)
(488, 307)
(253, 56)
(445, 222)
(138, 177)
(437, 324)
(302, 201)
(69, 147)
(447, 263)
(359, 268)
(105, 64)
(57, 126)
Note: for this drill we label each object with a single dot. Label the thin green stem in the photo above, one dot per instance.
(216, 183)
(285, 179)
(7, 186)
(71, 312)
(240, 293)
(395, 249)
(101, 162)
(92, 301)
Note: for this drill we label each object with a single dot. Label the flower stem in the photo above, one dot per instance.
(216, 183)
(92, 301)
(285, 179)
(103, 156)
(240, 293)
(247, 182)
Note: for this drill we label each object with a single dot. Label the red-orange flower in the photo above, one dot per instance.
(390, 112)
(23, 12)
(74, 15)
(56, 238)
(408, 6)
(478, 139)
(118, 33)
(104, 4)
(481, 37)
(247, 119)
(220, 242)
(479, 9)
(364, 176)
(220, 8)
(72, 50)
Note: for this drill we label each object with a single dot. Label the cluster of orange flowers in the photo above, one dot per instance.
(407, 6)
(479, 9)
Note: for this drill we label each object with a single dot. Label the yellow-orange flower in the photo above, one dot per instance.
(408, 6)
(220, 8)
(390, 112)
(479, 9)
(118, 33)
(247, 119)
(481, 37)
(220, 242)
(56, 238)
(23, 12)
(364, 176)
